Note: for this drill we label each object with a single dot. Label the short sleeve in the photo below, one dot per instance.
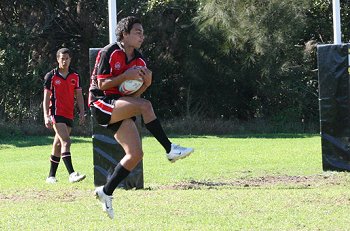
(104, 67)
(47, 81)
(78, 83)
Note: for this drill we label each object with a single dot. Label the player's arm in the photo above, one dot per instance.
(106, 82)
(80, 101)
(46, 101)
(46, 104)
(146, 75)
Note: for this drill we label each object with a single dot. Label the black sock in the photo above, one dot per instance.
(157, 131)
(119, 174)
(67, 159)
(54, 160)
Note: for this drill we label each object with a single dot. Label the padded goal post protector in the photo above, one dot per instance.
(334, 105)
(107, 152)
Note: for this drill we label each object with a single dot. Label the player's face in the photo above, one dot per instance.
(135, 37)
(63, 61)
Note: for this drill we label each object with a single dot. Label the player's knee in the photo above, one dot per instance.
(135, 156)
(66, 143)
(57, 144)
(147, 106)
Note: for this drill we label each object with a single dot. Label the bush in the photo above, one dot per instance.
(202, 126)
(179, 126)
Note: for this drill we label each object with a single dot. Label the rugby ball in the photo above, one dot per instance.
(129, 87)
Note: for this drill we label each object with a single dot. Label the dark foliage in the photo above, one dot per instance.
(231, 60)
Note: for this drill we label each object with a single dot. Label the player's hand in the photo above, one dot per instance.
(146, 75)
(48, 121)
(133, 73)
(81, 118)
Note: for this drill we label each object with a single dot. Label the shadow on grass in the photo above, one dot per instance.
(28, 141)
(272, 136)
(246, 136)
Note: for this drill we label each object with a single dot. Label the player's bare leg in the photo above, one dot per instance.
(127, 107)
(129, 138)
(54, 160)
(63, 132)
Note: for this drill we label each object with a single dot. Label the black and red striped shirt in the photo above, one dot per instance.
(62, 92)
(112, 61)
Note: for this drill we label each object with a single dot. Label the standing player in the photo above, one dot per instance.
(61, 86)
(116, 112)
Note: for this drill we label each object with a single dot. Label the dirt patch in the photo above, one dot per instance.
(284, 181)
(68, 196)
(264, 181)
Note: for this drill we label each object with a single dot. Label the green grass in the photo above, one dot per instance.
(257, 182)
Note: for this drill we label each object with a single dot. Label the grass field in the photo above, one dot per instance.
(265, 182)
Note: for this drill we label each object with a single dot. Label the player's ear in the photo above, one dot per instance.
(125, 34)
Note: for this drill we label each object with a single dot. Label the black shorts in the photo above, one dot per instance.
(61, 119)
(102, 109)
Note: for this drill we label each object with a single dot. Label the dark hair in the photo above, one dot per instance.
(125, 25)
(63, 51)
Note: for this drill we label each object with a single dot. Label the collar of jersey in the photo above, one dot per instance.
(56, 72)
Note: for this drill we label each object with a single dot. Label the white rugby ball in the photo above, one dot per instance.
(129, 87)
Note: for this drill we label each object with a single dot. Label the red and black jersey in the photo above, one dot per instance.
(112, 61)
(62, 92)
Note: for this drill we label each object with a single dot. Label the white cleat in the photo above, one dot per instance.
(177, 152)
(105, 200)
(76, 177)
(51, 180)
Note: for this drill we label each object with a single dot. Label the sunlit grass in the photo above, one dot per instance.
(265, 182)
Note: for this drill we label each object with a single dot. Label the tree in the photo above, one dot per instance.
(269, 36)
(31, 33)
(210, 58)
